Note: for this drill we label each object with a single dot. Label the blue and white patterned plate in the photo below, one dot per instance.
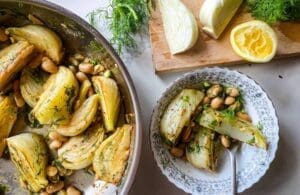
(252, 163)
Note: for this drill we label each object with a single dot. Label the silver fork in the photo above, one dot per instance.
(232, 151)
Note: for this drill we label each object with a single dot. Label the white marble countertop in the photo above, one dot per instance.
(280, 79)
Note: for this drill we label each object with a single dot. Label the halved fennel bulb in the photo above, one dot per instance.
(180, 25)
(216, 14)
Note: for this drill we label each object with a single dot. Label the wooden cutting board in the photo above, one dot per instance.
(210, 52)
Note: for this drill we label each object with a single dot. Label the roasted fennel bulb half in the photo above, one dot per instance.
(81, 119)
(111, 157)
(56, 102)
(200, 151)
(178, 114)
(12, 59)
(31, 85)
(215, 15)
(8, 116)
(78, 152)
(233, 127)
(110, 100)
(44, 39)
(180, 25)
(28, 152)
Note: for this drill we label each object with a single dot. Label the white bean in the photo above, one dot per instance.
(217, 103)
(71, 190)
(229, 100)
(48, 65)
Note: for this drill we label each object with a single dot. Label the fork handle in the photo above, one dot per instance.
(233, 174)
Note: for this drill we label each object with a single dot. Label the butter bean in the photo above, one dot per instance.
(81, 76)
(86, 68)
(229, 100)
(71, 190)
(217, 103)
(177, 152)
(48, 65)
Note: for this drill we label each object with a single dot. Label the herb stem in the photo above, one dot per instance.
(127, 18)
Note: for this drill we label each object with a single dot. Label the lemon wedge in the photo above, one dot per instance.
(216, 14)
(180, 25)
(254, 41)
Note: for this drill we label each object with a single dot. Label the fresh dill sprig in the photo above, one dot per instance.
(273, 11)
(229, 114)
(93, 45)
(127, 18)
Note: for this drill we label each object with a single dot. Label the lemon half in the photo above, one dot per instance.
(255, 41)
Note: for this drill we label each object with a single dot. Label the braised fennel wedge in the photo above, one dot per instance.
(8, 116)
(233, 127)
(79, 151)
(109, 96)
(81, 119)
(110, 158)
(178, 114)
(29, 154)
(44, 39)
(200, 151)
(55, 103)
(31, 85)
(12, 59)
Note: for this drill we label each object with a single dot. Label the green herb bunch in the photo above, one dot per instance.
(273, 11)
(127, 17)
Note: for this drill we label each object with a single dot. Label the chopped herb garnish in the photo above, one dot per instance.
(240, 99)
(251, 141)
(29, 118)
(70, 92)
(259, 126)
(185, 98)
(198, 117)
(96, 47)
(3, 188)
(94, 62)
(229, 114)
(195, 147)
(35, 124)
(206, 85)
(57, 163)
(214, 123)
(205, 106)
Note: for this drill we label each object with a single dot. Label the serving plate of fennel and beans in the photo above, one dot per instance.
(202, 115)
